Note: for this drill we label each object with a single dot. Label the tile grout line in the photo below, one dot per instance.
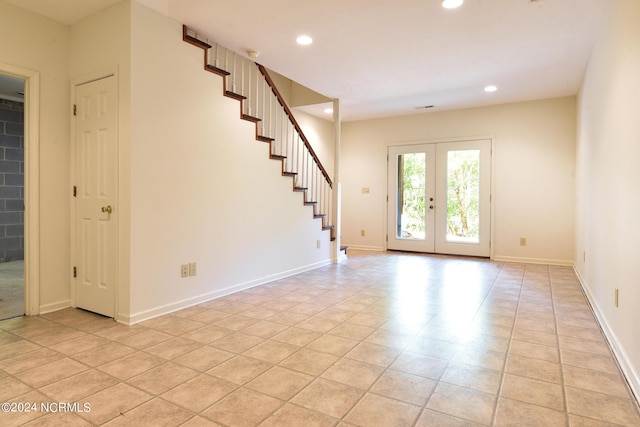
(557, 332)
(503, 373)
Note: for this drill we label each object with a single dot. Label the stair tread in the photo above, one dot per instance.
(251, 118)
(218, 71)
(234, 95)
(193, 40)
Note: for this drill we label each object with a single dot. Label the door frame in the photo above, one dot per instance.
(447, 140)
(31, 184)
(75, 82)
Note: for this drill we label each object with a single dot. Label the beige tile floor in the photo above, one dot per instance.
(378, 340)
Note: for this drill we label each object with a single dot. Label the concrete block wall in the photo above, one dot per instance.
(11, 180)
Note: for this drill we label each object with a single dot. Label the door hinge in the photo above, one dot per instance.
(75, 191)
(75, 271)
(386, 238)
(75, 109)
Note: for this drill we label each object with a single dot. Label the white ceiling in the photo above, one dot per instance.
(387, 57)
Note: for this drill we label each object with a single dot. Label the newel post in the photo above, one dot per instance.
(336, 193)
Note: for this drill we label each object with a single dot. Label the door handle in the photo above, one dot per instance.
(107, 209)
(430, 206)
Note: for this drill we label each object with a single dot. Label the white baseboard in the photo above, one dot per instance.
(365, 248)
(523, 260)
(189, 302)
(618, 351)
(55, 306)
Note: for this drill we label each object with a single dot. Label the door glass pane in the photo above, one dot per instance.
(463, 196)
(410, 222)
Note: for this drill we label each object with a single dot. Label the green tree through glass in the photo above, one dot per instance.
(463, 195)
(413, 195)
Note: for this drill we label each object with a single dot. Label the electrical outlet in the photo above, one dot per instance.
(523, 241)
(362, 233)
(192, 269)
(318, 244)
(184, 270)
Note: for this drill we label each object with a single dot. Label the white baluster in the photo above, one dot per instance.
(233, 83)
(241, 77)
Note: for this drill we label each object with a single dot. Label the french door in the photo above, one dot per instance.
(439, 198)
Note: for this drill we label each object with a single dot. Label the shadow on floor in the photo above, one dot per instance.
(11, 289)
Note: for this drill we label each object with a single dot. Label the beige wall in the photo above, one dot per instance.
(533, 167)
(32, 42)
(608, 200)
(320, 135)
(202, 188)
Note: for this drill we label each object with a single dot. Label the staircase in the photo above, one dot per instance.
(262, 104)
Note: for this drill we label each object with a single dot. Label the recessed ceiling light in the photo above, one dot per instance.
(304, 40)
(452, 4)
(328, 110)
(490, 88)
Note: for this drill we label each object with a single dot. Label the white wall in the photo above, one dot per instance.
(533, 166)
(32, 42)
(608, 200)
(320, 135)
(202, 188)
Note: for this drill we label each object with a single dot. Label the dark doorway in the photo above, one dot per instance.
(11, 197)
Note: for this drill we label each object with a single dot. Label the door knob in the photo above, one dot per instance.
(430, 206)
(107, 209)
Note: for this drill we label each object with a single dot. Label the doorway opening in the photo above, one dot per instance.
(12, 191)
(439, 197)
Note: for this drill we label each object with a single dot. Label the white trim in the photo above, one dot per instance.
(93, 76)
(366, 248)
(492, 180)
(55, 306)
(31, 185)
(189, 302)
(522, 260)
(437, 140)
(624, 362)
(100, 74)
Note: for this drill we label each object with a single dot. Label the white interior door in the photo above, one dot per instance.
(96, 133)
(439, 198)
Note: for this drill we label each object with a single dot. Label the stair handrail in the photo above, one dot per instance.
(307, 180)
(294, 122)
